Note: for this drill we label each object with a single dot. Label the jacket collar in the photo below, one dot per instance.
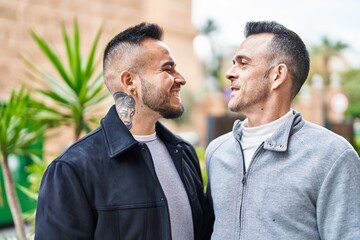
(119, 139)
(279, 140)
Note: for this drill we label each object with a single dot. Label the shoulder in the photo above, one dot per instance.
(321, 137)
(219, 141)
(324, 147)
(85, 148)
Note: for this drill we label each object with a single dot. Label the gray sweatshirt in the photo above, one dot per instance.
(302, 183)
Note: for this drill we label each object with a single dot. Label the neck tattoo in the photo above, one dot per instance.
(125, 107)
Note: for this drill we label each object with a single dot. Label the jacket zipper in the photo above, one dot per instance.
(244, 179)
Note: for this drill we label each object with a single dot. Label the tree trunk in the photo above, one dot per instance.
(1, 198)
(13, 200)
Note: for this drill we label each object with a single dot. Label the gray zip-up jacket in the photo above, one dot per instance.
(302, 183)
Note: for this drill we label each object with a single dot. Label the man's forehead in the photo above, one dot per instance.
(257, 40)
(154, 45)
(253, 45)
(157, 50)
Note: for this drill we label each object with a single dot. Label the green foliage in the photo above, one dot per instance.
(75, 89)
(209, 27)
(322, 54)
(357, 144)
(201, 155)
(36, 171)
(67, 95)
(329, 48)
(20, 125)
(20, 128)
(351, 86)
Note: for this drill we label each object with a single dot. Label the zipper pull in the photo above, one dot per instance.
(243, 180)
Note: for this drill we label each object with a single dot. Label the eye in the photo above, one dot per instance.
(243, 64)
(169, 70)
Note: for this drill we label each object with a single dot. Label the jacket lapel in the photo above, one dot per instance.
(117, 136)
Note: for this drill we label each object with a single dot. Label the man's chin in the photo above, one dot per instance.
(173, 113)
(233, 108)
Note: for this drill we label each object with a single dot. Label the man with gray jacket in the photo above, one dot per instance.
(277, 176)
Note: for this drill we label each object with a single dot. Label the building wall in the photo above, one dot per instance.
(19, 17)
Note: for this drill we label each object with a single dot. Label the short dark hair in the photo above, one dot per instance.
(134, 35)
(286, 47)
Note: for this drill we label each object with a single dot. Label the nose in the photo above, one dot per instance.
(179, 79)
(231, 74)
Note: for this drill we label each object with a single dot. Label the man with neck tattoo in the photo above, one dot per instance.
(131, 178)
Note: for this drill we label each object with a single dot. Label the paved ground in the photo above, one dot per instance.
(8, 233)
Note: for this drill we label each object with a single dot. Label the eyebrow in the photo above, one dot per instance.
(171, 63)
(238, 58)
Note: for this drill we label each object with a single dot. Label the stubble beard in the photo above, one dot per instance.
(158, 101)
(240, 103)
(235, 105)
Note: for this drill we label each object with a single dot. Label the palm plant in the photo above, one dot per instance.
(19, 129)
(75, 90)
(36, 170)
(326, 51)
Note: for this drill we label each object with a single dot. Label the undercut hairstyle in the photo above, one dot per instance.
(285, 47)
(122, 52)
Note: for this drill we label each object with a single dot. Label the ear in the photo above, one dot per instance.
(279, 75)
(127, 80)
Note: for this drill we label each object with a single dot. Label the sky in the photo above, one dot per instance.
(310, 19)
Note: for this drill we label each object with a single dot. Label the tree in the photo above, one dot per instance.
(210, 53)
(74, 91)
(350, 84)
(325, 52)
(321, 57)
(20, 127)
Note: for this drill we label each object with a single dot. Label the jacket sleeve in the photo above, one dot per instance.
(208, 196)
(210, 212)
(63, 210)
(338, 204)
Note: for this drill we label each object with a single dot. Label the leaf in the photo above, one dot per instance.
(53, 58)
(90, 61)
(27, 192)
(77, 58)
(69, 48)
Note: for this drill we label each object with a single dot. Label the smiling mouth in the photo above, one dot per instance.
(175, 92)
(234, 88)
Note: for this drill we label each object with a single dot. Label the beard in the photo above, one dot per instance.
(158, 100)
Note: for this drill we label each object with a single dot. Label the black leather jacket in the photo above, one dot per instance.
(104, 187)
